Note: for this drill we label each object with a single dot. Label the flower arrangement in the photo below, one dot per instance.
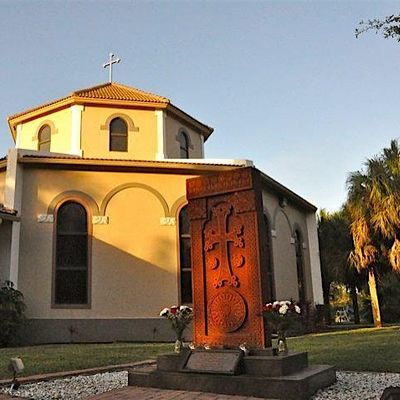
(180, 318)
(281, 315)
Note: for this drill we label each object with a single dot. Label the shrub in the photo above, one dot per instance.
(12, 309)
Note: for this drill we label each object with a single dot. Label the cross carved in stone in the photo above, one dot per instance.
(216, 233)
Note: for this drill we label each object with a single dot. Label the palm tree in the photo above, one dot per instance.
(374, 208)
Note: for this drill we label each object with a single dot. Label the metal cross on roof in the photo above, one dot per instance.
(110, 63)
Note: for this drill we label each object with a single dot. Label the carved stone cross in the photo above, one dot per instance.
(216, 233)
(226, 229)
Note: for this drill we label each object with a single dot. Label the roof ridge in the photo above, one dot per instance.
(97, 92)
(141, 90)
(117, 84)
(101, 85)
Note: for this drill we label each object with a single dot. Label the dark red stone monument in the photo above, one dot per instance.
(226, 219)
(226, 222)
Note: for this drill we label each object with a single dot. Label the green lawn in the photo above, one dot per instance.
(365, 349)
(67, 357)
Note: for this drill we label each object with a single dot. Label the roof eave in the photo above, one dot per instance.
(3, 163)
(128, 164)
(284, 191)
(123, 103)
(16, 119)
(205, 130)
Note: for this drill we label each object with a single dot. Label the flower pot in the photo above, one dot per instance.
(282, 343)
(178, 346)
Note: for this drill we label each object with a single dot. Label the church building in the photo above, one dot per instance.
(94, 228)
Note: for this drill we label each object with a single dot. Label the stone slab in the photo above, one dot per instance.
(171, 361)
(258, 363)
(298, 386)
(213, 361)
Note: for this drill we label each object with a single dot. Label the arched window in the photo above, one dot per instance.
(270, 289)
(185, 257)
(183, 145)
(44, 138)
(71, 269)
(300, 266)
(118, 135)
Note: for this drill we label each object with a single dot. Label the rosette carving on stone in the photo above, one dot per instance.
(227, 311)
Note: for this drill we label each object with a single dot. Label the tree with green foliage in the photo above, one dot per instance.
(374, 208)
(12, 309)
(335, 246)
(389, 26)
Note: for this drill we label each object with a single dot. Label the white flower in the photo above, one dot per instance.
(276, 303)
(164, 312)
(297, 309)
(244, 349)
(283, 309)
(184, 308)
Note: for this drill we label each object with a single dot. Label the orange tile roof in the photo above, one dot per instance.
(105, 91)
(108, 93)
(116, 91)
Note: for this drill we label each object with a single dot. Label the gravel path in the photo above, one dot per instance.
(350, 386)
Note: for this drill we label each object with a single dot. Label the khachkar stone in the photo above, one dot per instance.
(226, 220)
(227, 227)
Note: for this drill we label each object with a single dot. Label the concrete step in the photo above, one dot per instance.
(261, 365)
(296, 386)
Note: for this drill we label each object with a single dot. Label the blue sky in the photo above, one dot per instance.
(283, 83)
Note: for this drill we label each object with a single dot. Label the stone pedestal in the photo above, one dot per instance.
(258, 374)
